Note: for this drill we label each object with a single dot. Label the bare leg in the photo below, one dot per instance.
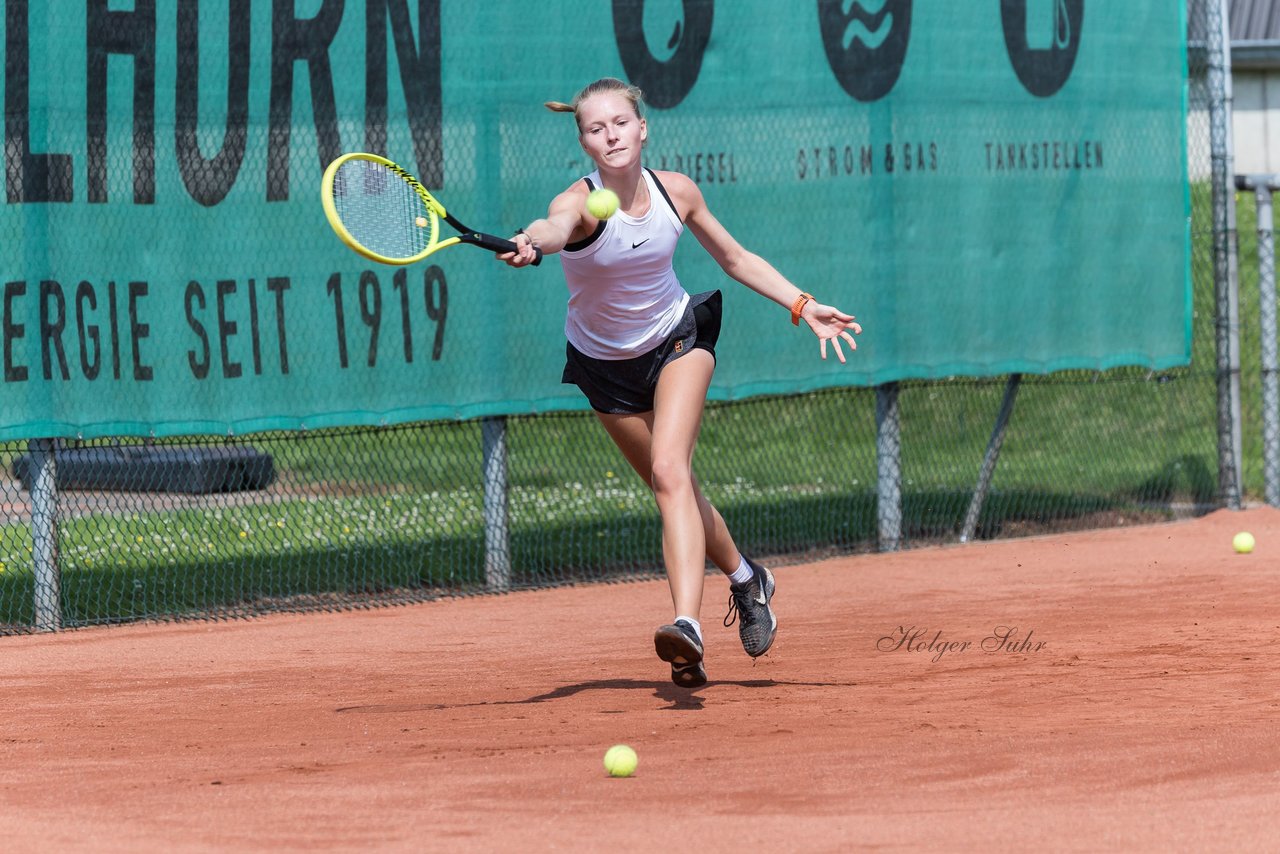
(677, 418)
(659, 446)
(633, 434)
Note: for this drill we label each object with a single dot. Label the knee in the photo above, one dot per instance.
(671, 477)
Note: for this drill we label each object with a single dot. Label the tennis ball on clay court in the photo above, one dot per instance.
(620, 761)
(1242, 542)
(602, 203)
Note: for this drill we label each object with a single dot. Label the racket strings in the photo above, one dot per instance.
(381, 211)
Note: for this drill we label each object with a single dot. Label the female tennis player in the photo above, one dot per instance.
(643, 350)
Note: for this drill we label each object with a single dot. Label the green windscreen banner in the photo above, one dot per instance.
(990, 187)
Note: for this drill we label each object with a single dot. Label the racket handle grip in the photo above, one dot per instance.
(498, 244)
(511, 247)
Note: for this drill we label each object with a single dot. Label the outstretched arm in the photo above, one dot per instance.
(826, 321)
(566, 217)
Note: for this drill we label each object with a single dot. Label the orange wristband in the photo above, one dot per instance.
(798, 306)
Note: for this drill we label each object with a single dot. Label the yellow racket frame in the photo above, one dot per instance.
(434, 210)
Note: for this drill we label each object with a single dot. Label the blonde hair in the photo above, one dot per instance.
(610, 85)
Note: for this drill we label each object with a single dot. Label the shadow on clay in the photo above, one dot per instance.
(679, 698)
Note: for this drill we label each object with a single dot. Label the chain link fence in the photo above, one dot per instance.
(108, 531)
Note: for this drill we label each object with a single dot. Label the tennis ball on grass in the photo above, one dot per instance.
(620, 761)
(602, 203)
(1242, 542)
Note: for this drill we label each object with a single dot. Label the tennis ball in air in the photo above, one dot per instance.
(420, 222)
(1242, 542)
(602, 203)
(620, 761)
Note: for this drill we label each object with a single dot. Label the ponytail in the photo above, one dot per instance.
(604, 84)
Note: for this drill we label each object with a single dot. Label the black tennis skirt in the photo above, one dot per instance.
(626, 386)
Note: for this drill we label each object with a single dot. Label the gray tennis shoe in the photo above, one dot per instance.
(678, 644)
(749, 605)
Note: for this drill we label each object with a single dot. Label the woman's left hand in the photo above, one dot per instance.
(831, 324)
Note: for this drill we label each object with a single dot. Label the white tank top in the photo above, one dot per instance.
(624, 297)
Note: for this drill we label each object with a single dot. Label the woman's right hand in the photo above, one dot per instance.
(524, 254)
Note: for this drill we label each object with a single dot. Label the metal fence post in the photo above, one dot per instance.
(1263, 186)
(44, 535)
(1267, 319)
(989, 460)
(888, 468)
(497, 539)
(1225, 271)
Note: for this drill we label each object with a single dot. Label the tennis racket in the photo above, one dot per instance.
(384, 213)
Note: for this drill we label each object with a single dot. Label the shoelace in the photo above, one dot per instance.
(734, 609)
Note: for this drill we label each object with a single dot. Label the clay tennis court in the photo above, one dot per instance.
(1145, 721)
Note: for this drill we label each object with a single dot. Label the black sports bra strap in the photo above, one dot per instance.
(663, 191)
(579, 245)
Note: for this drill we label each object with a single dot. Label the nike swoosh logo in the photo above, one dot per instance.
(641, 243)
(761, 598)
